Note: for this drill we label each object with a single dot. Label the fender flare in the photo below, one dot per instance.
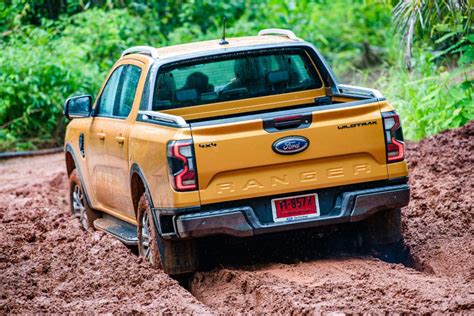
(135, 169)
(68, 149)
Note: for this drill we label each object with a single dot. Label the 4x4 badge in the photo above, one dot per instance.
(290, 145)
(208, 145)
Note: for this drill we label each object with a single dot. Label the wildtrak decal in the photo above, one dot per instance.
(357, 125)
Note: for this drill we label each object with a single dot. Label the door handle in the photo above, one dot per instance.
(287, 122)
(120, 139)
(101, 136)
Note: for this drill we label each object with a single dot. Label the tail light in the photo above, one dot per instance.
(181, 165)
(393, 137)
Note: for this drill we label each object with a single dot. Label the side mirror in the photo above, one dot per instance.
(76, 107)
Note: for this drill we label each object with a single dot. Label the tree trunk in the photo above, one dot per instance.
(409, 40)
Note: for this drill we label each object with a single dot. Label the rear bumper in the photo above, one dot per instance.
(243, 222)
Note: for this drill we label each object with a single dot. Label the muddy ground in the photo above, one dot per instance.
(48, 264)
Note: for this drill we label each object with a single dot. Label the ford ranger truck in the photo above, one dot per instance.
(242, 137)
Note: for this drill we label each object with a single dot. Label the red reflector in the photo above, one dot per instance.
(186, 180)
(395, 150)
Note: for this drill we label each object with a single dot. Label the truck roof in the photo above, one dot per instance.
(198, 47)
(268, 36)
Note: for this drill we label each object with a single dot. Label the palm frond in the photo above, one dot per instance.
(413, 18)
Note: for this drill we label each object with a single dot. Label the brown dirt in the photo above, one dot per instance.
(439, 221)
(48, 264)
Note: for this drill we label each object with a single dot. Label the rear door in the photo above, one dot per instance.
(109, 136)
(237, 160)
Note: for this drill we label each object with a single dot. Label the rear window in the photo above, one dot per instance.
(234, 77)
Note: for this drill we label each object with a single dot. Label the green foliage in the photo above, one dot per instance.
(338, 32)
(52, 49)
(36, 73)
(429, 99)
(442, 24)
(42, 66)
(105, 34)
(431, 105)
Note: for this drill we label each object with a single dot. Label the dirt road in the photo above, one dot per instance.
(48, 264)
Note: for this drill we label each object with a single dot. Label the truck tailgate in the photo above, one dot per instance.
(235, 159)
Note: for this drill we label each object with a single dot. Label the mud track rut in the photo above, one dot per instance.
(48, 264)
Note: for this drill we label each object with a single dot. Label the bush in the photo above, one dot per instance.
(338, 29)
(430, 98)
(430, 102)
(37, 73)
(42, 66)
(47, 57)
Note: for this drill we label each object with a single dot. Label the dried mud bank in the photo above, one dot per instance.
(439, 221)
(48, 264)
(351, 285)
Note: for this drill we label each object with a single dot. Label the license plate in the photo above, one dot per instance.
(295, 207)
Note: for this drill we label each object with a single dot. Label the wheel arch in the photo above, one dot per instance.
(71, 164)
(138, 186)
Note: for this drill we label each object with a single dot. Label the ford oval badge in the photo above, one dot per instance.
(290, 145)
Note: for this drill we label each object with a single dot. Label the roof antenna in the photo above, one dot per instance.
(223, 41)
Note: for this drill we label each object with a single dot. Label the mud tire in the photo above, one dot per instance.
(383, 228)
(175, 257)
(77, 194)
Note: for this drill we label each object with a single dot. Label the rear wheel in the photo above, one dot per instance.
(176, 257)
(383, 235)
(78, 202)
(147, 234)
(384, 228)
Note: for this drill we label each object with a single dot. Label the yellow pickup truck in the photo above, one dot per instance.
(247, 136)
